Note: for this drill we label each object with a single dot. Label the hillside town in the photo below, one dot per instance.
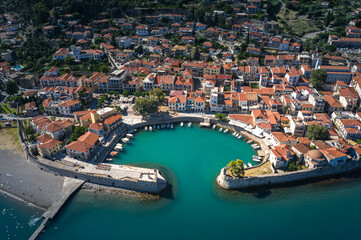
(302, 99)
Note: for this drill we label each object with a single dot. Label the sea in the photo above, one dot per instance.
(193, 206)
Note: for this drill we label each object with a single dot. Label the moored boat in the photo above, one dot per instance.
(181, 124)
(234, 134)
(145, 128)
(150, 128)
(221, 129)
(250, 141)
(129, 135)
(225, 131)
(245, 139)
(125, 140)
(189, 124)
(113, 153)
(249, 164)
(109, 159)
(240, 136)
(214, 127)
(171, 126)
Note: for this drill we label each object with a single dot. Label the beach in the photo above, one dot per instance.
(27, 182)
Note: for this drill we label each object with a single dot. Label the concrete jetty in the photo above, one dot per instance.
(69, 187)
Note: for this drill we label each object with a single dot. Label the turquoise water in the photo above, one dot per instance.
(17, 67)
(17, 221)
(195, 208)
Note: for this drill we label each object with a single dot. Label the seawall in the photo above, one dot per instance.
(268, 180)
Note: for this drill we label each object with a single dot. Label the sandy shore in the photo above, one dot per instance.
(21, 179)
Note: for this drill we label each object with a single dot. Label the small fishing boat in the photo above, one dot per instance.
(189, 124)
(249, 164)
(240, 136)
(129, 135)
(221, 129)
(109, 159)
(256, 160)
(150, 128)
(250, 141)
(118, 148)
(145, 128)
(214, 127)
(158, 127)
(168, 125)
(225, 131)
(245, 139)
(154, 127)
(244, 165)
(181, 124)
(125, 140)
(258, 147)
(234, 134)
(113, 153)
(171, 126)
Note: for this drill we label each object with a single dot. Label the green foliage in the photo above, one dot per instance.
(157, 93)
(318, 78)
(69, 60)
(146, 105)
(316, 132)
(101, 100)
(293, 166)
(11, 87)
(77, 132)
(227, 88)
(221, 116)
(236, 168)
(137, 93)
(125, 93)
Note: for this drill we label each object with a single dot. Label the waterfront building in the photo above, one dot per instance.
(84, 147)
(314, 158)
(48, 146)
(281, 155)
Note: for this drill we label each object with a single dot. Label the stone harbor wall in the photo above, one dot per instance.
(155, 186)
(185, 120)
(268, 180)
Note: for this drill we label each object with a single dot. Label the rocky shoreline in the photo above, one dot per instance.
(95, 188)
(288, 178)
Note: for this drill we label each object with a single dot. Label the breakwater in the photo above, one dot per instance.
(267, 180)
(141, 183)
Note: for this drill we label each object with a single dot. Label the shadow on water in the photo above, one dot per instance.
(171, 189)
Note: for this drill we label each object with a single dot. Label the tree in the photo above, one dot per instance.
(318, 78)
(137, 93)
(316, 132)
(236, 168)
(221, 116)
(11, 87)
(125, 93)
(329, 18)
(146, 105)
(157, 93)
(69, 60)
